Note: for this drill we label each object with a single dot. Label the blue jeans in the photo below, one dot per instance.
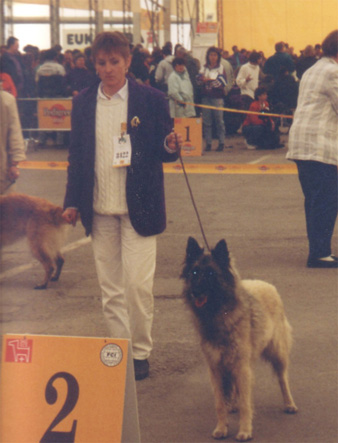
(210, 115)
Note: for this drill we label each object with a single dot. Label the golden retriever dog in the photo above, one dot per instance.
(238, 321)
(42, 223)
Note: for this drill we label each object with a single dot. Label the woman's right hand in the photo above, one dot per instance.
(70, 216)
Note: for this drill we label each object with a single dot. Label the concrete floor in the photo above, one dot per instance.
(262, 219)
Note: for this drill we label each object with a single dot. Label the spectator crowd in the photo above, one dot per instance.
(221, 80)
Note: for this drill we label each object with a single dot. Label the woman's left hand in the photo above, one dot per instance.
(174, 141)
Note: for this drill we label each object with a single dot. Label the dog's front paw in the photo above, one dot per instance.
(244, 436)
(220, 432)
(291, 409)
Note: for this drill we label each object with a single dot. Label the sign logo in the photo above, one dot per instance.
(111, 355)
(19, 351)
(57, 113)
(54, 113)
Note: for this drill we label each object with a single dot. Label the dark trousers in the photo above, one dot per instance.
(261, 136)
(320, 188)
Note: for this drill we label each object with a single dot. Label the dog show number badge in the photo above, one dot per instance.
(122, 148)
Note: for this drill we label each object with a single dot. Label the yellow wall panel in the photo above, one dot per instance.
(237, 23)
(268, 22)
(259, 24)
(304, 23)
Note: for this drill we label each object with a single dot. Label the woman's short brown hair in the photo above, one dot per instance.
(111, 42)
(330, 44)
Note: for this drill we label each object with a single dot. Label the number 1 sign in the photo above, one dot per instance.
(67, 389)
(191, 131)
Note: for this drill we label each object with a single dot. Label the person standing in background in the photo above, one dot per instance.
(180, 90)
(11, 64)
(281, 59)
(313, 145)
(12, 146)
(248, 79)
(212, 82)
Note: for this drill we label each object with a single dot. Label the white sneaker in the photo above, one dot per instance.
(250, 146)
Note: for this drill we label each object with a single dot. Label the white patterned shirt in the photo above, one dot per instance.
(110, 183)
(314, 131)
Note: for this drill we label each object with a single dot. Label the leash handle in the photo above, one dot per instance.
(191, 194)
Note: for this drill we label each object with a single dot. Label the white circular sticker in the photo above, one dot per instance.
(111, 355)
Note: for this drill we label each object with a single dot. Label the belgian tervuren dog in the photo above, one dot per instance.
(238, 321)
(42, 223)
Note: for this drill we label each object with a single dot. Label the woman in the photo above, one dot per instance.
(121, 123)
(260, 131)
(180, 89)
(212, 80)
(79, 77)
(248, 78)
(313, 145)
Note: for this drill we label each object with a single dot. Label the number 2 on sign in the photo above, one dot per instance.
(70, 402)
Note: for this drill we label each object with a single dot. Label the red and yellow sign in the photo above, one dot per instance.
(207, 27)
(62, 389)
(191, 131)
(54, 114)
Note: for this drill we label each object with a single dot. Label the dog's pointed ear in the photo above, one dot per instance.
(221, 254)
(193, 252)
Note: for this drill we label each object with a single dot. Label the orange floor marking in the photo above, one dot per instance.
(176, 168)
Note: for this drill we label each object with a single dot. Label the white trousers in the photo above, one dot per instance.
(125, 265)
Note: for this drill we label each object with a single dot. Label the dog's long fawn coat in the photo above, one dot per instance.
(238, 321)
(42, 223)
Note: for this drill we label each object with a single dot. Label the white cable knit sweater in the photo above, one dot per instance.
(110, 183)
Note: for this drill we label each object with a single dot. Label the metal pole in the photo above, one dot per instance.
(220, 23)
(98, 19)
(2, 23)
(166, 21)
(54, 12)
(10, 18)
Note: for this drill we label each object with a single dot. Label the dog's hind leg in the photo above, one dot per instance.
(59, 263)
(289, 404)
(278, 355)
(46, 261)
(221, 430)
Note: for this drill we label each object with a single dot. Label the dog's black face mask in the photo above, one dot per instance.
(210, 282)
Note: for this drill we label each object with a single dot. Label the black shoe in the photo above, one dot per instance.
(320, 263)
(141, 368)
(220, 147)
(208, 148)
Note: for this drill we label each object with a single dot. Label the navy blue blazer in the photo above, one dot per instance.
(144, 184)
